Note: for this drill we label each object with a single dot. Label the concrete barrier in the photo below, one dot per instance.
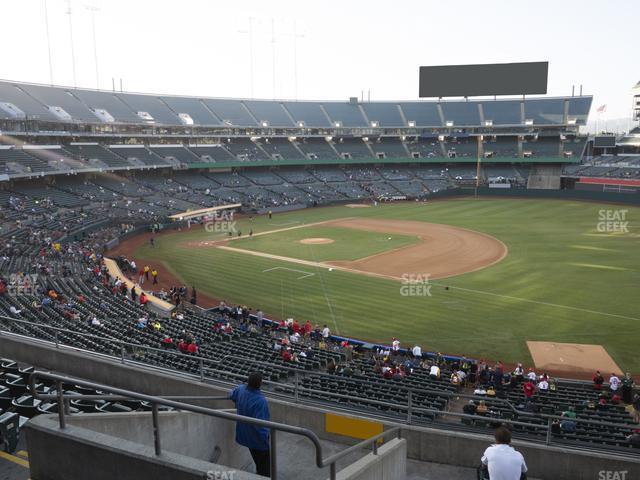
(80, 451)
(425, 444)
(389, 464)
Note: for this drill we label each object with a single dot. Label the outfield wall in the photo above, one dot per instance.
(594, 196)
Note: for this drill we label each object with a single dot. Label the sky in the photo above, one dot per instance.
(329, 50)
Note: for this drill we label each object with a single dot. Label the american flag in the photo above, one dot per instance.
(602, 109)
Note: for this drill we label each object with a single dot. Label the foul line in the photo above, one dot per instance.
(306, 274)
(389, 277)
(481, 292)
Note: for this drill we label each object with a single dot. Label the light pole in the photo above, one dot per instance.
(250, 32)
(93, 9)
(73, 54)
(46, 26)
(295, 36)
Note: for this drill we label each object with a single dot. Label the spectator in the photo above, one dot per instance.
(614, 383)
(543, 385)
(568, 423)
(250, 402)
(434, 372)
(627, 388)
(636, 408)
(598, 380)
(470, 408)
(634, 439)
(529, 389)
(326, 333)
(501, 460)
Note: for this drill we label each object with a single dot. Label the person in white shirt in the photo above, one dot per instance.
(532, 375)
(543, 385)
(395, 345)
(502, 460)
(417, 351)
(14, 311)
(434, 372)
(326, 332)
(614, 383)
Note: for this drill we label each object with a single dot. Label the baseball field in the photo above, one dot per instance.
(476, 277)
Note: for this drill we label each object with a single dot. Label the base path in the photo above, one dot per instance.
(571, 358)
(443, 250)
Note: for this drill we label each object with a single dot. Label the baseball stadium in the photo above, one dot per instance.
(401, 285)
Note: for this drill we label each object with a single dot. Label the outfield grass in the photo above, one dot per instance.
(561, 281)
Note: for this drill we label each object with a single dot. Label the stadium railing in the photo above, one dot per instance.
(155, 402)
(411, 412)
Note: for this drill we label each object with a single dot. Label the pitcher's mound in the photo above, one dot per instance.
(572, 358)
(316, 241)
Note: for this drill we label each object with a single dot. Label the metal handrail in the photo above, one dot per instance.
(409, 408)
(273, 427)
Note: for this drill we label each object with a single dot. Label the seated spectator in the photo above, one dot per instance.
(501, 460)
(167, 342)
(634, 439)
(568, 423)
(555, 427)
(529, 389)
(434, 372)
(470, 408)
(286, 355)
(598, 380)
(543, 385)
(480, 391)
(482, 408)
(636, 408)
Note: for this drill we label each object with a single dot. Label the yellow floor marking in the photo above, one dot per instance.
(12, 458)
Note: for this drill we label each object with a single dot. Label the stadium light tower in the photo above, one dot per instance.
(273, 55)
(73, 53)
(295, 36)
(93, 9)
(46, 27)
(250, 33)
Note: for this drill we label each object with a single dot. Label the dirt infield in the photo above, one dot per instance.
(571, 358)
(357, 205)
(316, 241)
(443, 250)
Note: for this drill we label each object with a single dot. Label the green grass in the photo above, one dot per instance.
(561, 281)
(349, 244)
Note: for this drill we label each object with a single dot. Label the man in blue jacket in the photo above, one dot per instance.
(250, 402)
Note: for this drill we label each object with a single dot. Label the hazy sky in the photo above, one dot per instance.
(199, 47)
